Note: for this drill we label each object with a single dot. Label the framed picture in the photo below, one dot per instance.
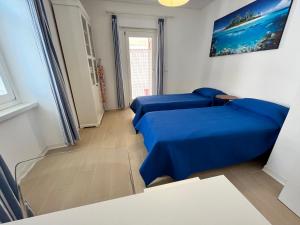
(256, 27)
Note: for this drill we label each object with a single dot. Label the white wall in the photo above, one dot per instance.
(19, 140)
(31, 133)
(182, 61)
(270, 75)
(285, 159)
(263, 75)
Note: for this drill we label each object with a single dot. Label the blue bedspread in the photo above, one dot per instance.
(202, 97)
(182, 142)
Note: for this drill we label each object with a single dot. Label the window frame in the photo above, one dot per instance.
(11, 98)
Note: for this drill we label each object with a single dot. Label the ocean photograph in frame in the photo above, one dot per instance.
(256, 27)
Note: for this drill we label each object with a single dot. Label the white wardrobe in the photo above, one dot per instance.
(74, 30)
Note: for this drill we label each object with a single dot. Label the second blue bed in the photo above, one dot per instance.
(182, 142)
(202, 97)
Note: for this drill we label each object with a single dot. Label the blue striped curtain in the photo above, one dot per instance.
(160, 56)
(118, 65)
(38, 13)
(10, 208)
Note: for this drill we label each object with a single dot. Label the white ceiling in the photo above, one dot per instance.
(195, 4)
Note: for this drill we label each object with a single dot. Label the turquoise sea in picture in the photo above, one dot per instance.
(256, 27)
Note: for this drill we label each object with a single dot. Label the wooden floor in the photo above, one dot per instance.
(105, 163)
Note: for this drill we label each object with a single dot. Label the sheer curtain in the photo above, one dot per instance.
(118, 66)
(37, 10)
(160, 56)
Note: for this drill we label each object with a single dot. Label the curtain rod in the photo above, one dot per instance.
(138, 14)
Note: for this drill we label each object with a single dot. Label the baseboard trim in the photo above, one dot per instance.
(278, 178)
(54, 147)
(42, 154)
(100, 119)
(90, 125)
(97, 124)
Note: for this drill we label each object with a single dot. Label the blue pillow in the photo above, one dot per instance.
(273, 111)
(208, 92)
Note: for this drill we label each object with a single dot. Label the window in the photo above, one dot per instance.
(7, 95)
(141, 66)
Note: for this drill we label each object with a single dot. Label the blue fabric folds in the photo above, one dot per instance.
(142, 105)
(10, 209)
(208, 92)
(273, 111)
(118, 64)
(57, 81)
(182, 142)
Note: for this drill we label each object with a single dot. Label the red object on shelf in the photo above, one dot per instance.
(100, 73)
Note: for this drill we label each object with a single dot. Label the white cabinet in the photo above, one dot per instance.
(74, 30)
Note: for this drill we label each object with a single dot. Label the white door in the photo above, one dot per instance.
(139, 62)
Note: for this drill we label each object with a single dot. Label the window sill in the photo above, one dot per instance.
(16, 110)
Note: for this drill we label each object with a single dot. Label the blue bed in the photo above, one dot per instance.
(202, 97)
(182, 142)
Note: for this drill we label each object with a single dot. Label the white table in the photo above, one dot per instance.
(213, 201)
(172, 185)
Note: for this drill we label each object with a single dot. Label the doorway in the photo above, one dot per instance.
(140, 54)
